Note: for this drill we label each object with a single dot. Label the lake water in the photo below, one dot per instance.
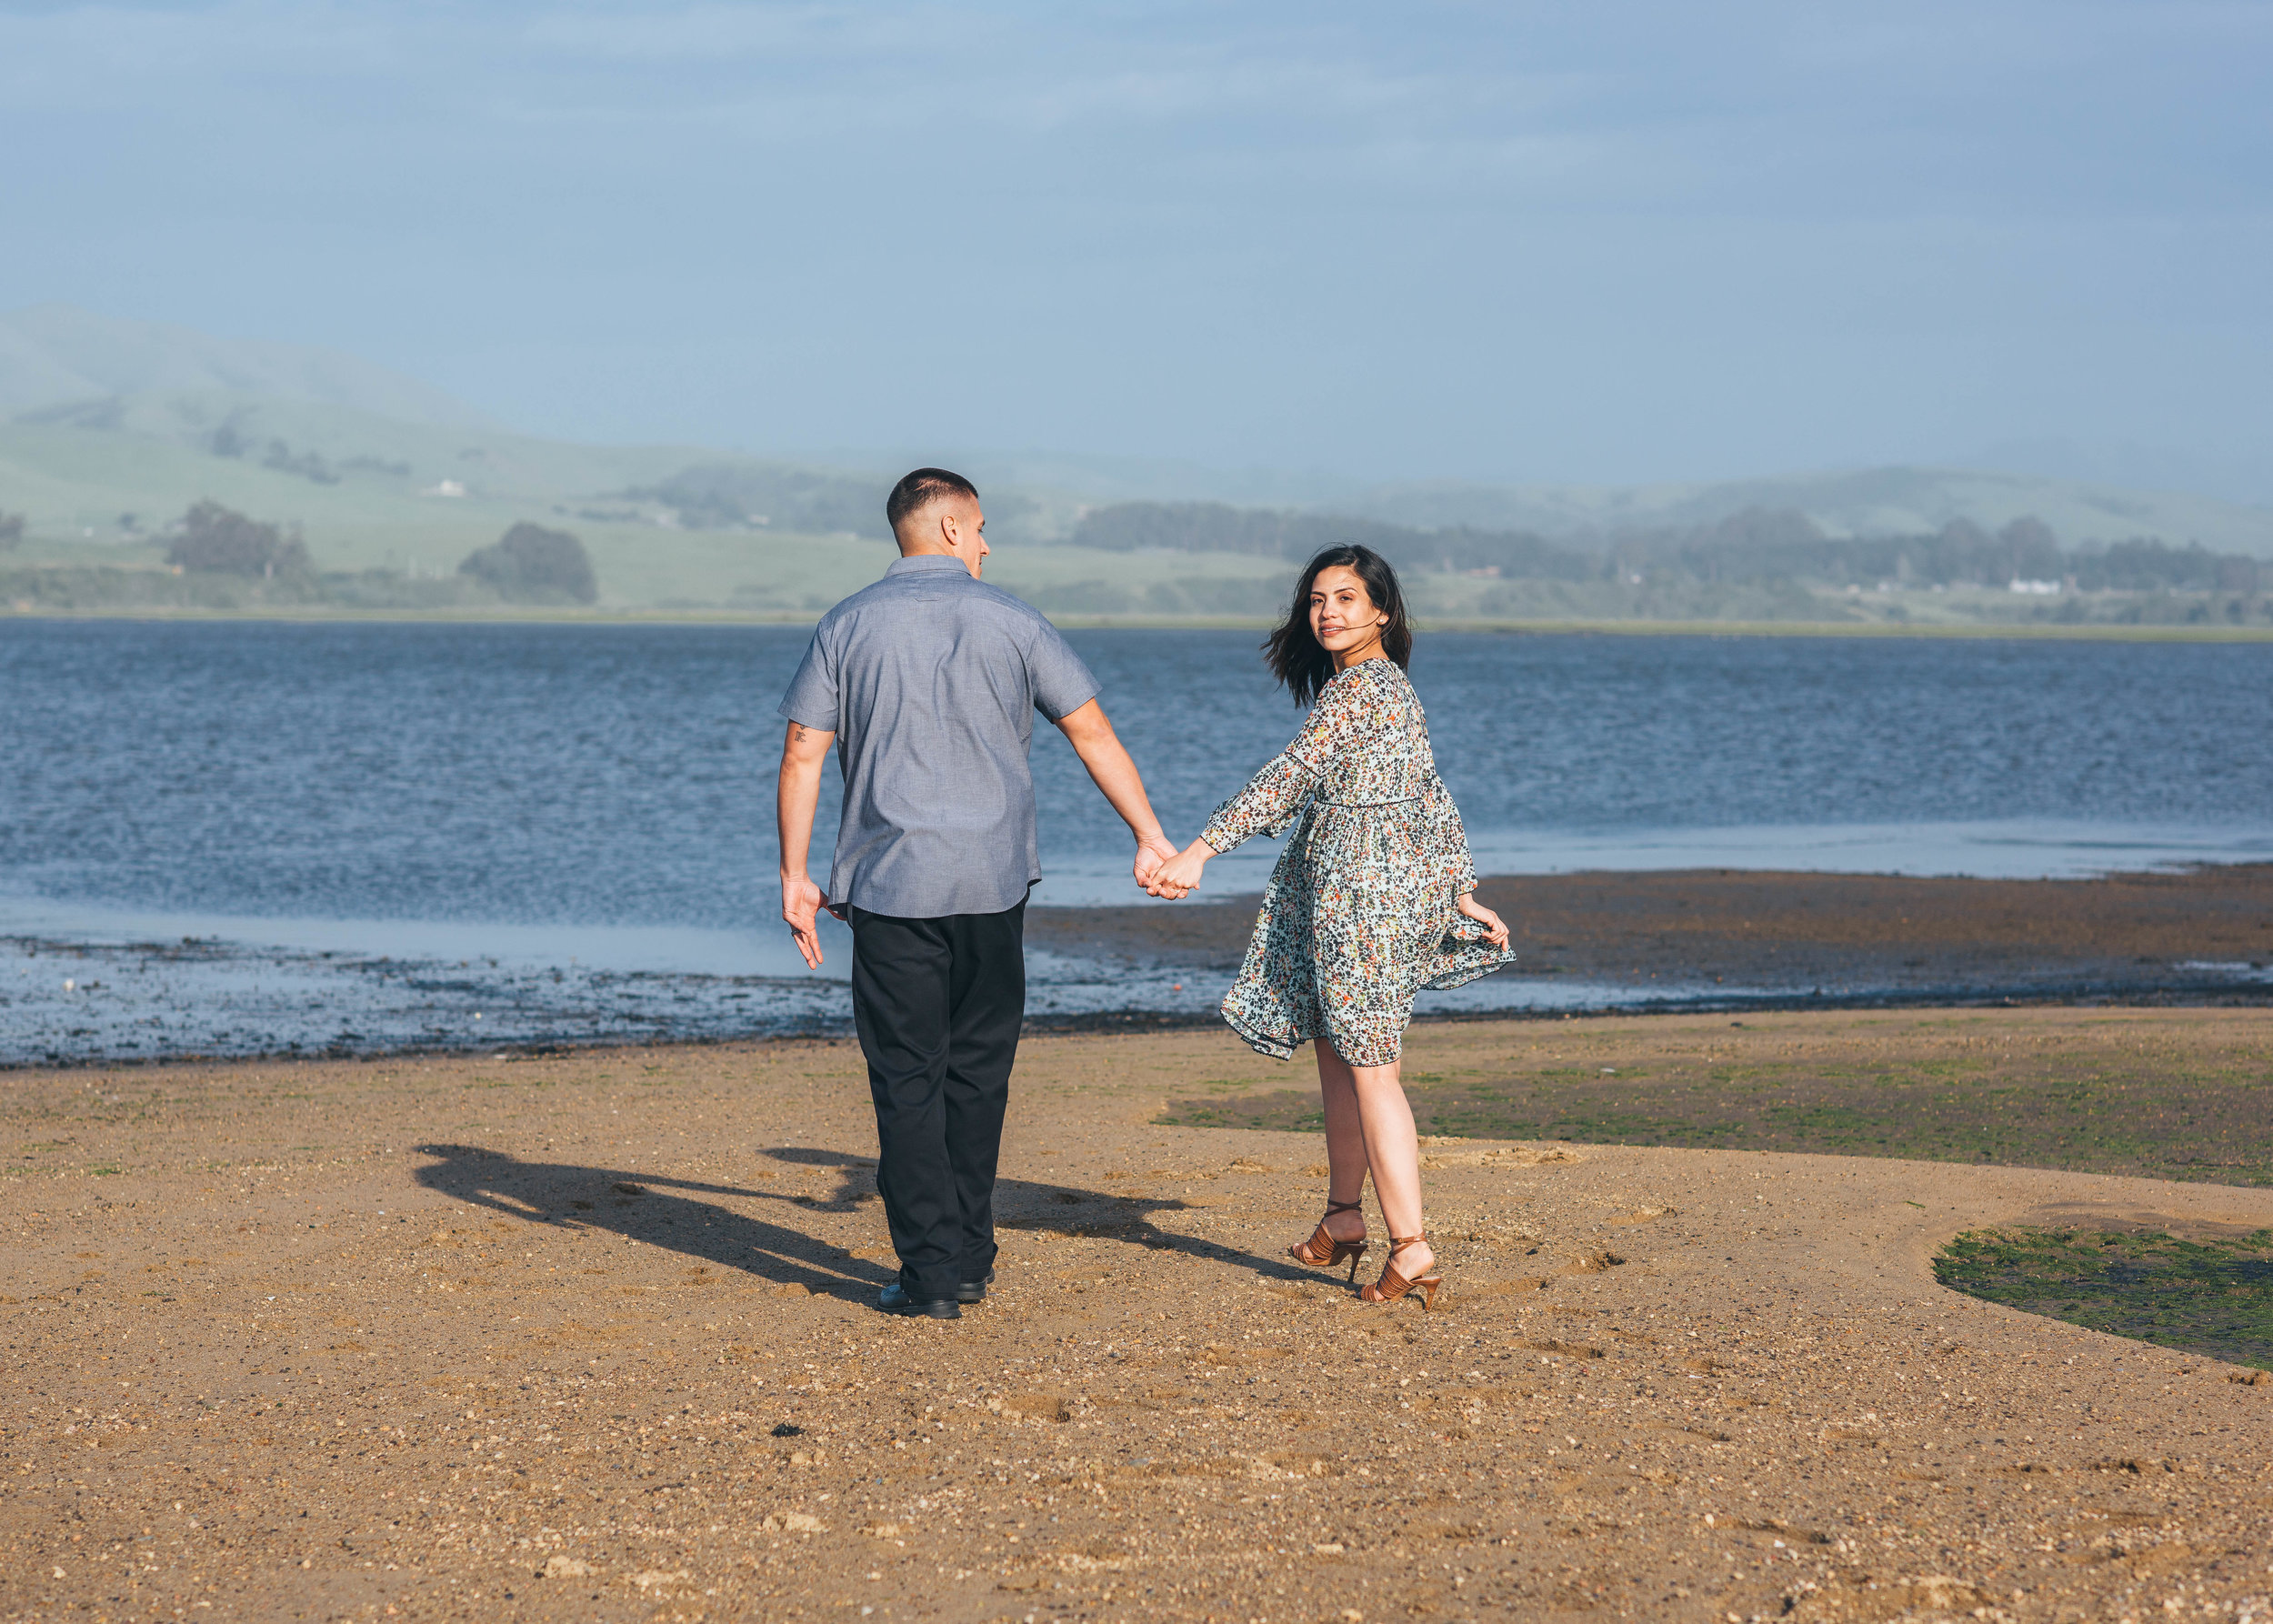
(374, 833)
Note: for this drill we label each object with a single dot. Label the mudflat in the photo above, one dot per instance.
(586, 1335)
(2205, 932)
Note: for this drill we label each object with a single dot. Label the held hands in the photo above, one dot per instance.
(1152, 850)
(1180, 875)
(1495, 928)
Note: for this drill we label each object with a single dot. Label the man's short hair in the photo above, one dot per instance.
(924, 486)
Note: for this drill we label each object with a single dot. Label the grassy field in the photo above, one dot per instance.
(371, 494)
(97, 495)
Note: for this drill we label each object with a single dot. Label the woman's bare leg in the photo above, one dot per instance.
(1392, 1151)
(1344, 1142)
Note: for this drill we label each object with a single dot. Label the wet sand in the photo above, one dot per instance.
(584, 1336)
(2128, 936)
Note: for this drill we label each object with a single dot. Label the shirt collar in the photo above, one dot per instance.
(927, 561)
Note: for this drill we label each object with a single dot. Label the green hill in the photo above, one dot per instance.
(111, 431)
(669, 529)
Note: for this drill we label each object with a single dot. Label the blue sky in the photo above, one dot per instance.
(1605, 243)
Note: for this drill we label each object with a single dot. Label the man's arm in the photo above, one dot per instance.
(1101, 751)
(802, 751)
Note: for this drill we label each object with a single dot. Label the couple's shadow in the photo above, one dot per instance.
(678, 1214)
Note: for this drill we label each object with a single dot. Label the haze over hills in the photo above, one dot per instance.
(1897, 500)
(1887, 501)
(111, 429)
(57, 354)
(2231, 475)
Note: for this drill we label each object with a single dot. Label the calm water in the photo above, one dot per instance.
(595, 802)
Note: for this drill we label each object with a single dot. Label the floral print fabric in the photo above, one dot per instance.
(1360, 913)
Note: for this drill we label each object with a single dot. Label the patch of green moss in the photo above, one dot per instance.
(2208, 1297)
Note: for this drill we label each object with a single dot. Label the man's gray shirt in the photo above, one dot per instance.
(930, 680)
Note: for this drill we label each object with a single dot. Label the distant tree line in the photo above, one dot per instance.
(1756, 547)
(10, 531)
(779, 497)
(527, 565)
(228, 441)
(1770, 544)
(1218, 527)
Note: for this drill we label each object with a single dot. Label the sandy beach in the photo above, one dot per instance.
(586, 1336)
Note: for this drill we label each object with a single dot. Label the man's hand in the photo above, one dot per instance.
(1152, 850)
(800, 909)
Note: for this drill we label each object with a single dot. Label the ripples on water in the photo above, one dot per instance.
(597, 801)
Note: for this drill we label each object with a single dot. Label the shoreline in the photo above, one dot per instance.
(1659, 943)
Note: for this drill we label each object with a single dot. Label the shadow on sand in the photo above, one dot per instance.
(675, 1214)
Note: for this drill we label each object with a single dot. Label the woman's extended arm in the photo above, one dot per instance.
(1270, 801)
(1274, 795)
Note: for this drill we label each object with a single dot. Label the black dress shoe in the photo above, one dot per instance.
(974, 1291)
(894, 1300)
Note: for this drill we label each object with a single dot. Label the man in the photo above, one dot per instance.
(927, 683)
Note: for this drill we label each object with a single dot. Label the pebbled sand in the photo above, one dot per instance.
(1671, 1384)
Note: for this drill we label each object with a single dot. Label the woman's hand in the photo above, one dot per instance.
(1495, 928)
(1180, 875)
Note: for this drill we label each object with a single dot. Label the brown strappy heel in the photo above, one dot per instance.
(1322, 1252)
(1393, 1285)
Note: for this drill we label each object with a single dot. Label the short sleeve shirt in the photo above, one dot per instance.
(930, 680)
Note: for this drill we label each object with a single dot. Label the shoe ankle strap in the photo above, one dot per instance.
(1334, 1207)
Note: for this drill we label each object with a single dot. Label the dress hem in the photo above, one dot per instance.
(1282, 1046)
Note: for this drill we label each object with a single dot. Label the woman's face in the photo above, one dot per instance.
(1342, 613)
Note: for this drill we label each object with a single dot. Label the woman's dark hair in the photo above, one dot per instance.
(1294, 653)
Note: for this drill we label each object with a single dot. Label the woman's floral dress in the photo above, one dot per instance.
(1360, 913)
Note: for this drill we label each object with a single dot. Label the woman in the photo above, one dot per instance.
(1373, 898)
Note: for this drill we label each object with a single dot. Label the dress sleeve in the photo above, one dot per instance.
(1275, 796)
(1270, 801)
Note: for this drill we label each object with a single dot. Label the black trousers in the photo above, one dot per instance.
(938, 1004)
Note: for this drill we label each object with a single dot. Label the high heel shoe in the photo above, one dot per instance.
(1393, 1285)
(1322, 1252)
